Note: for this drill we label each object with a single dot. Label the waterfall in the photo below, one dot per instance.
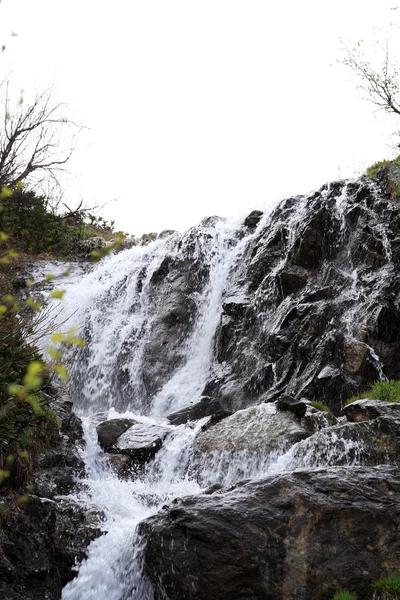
(222, 310)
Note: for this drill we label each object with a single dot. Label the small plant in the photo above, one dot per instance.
(372, 171)
(320, 405)
(344, 595)
(388, 391)
(387, 588)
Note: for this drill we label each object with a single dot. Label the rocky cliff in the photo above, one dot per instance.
(205, 352)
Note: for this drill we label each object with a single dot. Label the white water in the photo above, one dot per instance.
(114, 308)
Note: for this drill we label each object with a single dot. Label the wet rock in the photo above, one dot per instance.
(109, 431)
(288, 403)
(355, 353)
(288, 536)
(140, 442)
(315, 420)
(43, 539)
(260, 429)
(204, 408)
(291, 280)
(369, 443)
(253, 219)
(367, 409)
(121, 464)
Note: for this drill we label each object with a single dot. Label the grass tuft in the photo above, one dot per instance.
(320, 405)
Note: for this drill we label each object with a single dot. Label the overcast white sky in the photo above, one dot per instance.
(199, 107)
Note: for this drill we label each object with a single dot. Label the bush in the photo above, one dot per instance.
(344, 595)
(387, 588)
(32, 229)
(22, 428)
(388, 391)
(320, 405)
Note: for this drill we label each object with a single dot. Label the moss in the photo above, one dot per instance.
(320, 405)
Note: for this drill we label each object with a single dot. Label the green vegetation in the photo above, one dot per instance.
(31, 229)
(387, 588)
(344, 595)
(320, 405)
(388, 391)
(372, 171)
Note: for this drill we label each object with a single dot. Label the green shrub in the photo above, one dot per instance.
(320, 405)
(389, 391)
(387, 588)
(372, 171)
(344, 595)
(32, 229)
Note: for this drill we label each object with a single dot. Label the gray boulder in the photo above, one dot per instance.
(301, 535)
(109, 431)
(367, 409)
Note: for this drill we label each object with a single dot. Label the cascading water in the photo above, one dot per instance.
(153, 318)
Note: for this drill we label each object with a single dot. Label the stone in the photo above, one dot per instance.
(204, 408)
(367, 409)
(140, 442)
(121, 464)
(355, 353)
(295, 535)
(260, 429)
(297, 407)
(109, 431)
(365, 443)
(291, 280)
(253, 219)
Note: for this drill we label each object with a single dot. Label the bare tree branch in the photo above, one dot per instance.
(32, 138)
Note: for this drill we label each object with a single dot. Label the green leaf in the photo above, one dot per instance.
(62, 373)
(6, 192)
(57, 294)
(57, 338)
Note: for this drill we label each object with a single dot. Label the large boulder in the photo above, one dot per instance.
(140, 442)
(301, 535)
(109, 431)
(367, 409)
(260, 429)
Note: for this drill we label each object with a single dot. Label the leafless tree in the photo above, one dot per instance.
(380, 83)
(36, 139)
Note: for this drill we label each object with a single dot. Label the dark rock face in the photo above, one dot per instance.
(41, 540)
(304, 535)
(310, 307)
(40, 543)
(320, 315)
(253, 219)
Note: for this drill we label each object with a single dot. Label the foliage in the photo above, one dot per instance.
(344, 595)
(387, 588)
(389, 391)
(372, 171)
(320, 405)
(32, 229)
(25, 418)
